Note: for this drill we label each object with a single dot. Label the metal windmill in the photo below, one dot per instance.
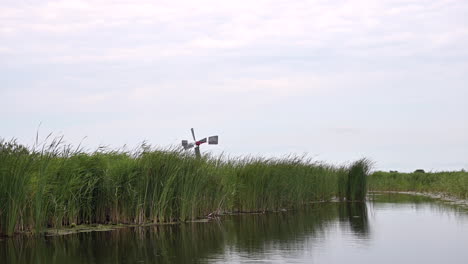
(213, 140)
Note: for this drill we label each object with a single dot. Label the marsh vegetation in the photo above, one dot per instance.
(55, 185)
(454, 183)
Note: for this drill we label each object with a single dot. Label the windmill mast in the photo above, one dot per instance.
(197, 152)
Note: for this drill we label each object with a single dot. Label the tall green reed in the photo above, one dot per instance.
(15, 162)
(53, 185)
(352, 181)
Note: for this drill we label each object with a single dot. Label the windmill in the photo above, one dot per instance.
(213, 140)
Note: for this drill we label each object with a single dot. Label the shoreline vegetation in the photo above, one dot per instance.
(449, 183)
(55, 186)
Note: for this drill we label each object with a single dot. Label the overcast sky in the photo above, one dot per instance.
(339, 80)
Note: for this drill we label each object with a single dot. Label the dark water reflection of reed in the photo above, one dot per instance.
(192, 242)
(355, 214)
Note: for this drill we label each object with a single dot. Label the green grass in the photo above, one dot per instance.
(452, 183)
(55, 185)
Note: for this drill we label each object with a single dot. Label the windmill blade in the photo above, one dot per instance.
(213, 140)
(193, 134)
(188, 146)
(201, 141)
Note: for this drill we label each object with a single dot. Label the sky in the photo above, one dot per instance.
(335, 80)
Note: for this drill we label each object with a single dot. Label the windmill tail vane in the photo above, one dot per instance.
(212, 140)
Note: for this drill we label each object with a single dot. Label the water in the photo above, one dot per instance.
(392, 229)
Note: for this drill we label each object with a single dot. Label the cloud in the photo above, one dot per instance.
(153, 29)
(349, 78)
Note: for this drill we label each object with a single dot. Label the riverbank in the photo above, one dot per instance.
(443, 197)
(56, 186)
(453, 184)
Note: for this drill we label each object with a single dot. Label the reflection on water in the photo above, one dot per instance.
(323, 233)
(356, 215)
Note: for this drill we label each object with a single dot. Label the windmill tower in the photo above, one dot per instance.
(213, 140)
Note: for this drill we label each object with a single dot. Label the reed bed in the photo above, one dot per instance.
(453, 183)
(55, 185)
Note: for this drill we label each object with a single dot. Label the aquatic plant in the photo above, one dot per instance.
(15, 164)
(52, 185)
(358, 173)
(352, 181)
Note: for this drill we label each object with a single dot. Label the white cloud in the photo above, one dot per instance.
(186, 28)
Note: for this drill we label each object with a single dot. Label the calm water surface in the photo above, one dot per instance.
(391, 229)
